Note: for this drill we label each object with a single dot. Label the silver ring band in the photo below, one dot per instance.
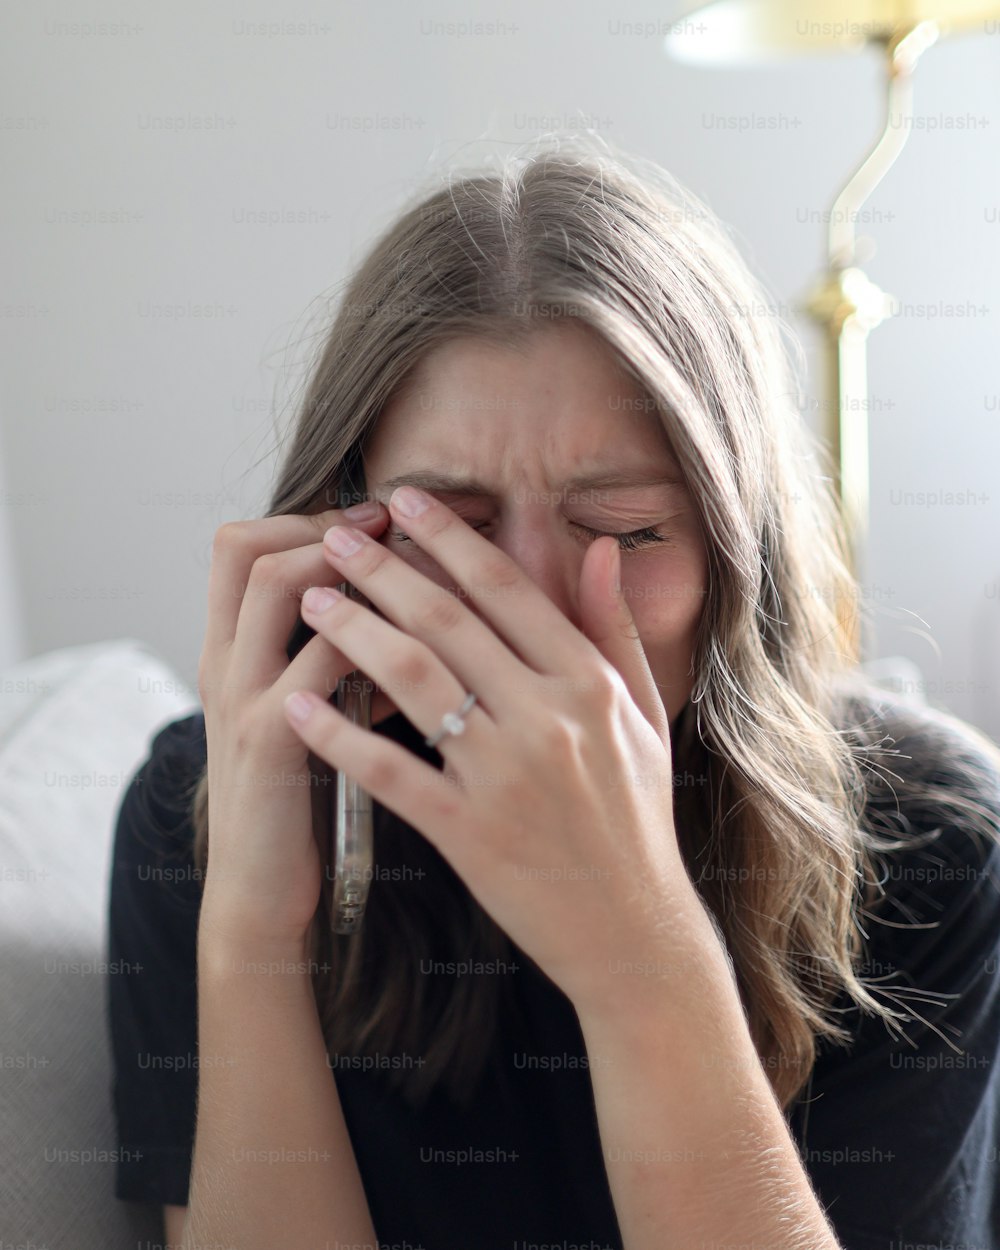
(452, 722)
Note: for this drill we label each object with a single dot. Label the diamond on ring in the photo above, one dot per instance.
(452, 722)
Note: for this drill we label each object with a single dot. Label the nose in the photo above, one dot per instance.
(553, 567)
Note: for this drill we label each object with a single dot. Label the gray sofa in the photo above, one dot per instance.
(74, 726)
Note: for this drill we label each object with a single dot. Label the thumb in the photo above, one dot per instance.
(608, 622)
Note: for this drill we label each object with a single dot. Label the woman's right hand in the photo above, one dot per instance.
(264, 867)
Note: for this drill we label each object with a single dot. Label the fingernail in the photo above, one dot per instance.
(299, 706)
(341, 541)
(409, 500)
(362, 511)
(319, 598)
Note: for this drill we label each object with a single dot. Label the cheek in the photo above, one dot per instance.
(666, 595)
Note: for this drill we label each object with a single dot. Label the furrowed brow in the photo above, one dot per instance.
(459, 484)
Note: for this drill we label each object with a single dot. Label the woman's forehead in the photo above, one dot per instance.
(567, 345)
(471, 390)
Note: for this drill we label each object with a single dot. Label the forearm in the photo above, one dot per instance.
(273, 1163)
(696, 1148)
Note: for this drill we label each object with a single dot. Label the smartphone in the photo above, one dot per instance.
(350, 842)
(351, 849)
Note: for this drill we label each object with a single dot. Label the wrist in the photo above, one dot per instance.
(667, 970)
(244, 979)
(227, 941)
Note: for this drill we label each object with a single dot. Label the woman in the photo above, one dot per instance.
(651, 922)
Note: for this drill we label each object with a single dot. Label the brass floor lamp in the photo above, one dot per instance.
(844, 303)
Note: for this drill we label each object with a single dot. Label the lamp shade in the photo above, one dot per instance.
(728, 32)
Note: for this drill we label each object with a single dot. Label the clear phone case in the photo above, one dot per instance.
(351, 850)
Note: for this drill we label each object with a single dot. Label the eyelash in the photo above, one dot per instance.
(630, 541)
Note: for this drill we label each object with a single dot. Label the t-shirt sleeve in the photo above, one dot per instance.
(900, 1134)
(154, 900)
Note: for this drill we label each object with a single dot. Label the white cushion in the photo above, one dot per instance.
(75, 724)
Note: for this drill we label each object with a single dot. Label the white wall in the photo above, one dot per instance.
(129, 437)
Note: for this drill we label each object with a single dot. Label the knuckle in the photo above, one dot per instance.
(605, 688)
(267, 568)
(264, 581)
(373, 559)
(230, 536)
(553, 736)
(379, 774)
(411, 669)
(597, 690)
(439, 614)
(560, 732)
(500, 573)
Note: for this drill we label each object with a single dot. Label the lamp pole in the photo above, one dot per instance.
(845, 304)
(848, 306)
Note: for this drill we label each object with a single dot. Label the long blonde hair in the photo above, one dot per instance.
(775, 758)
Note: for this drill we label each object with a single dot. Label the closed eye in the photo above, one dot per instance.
(630, 541)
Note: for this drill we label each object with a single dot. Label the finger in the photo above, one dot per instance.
(423, 610)
(272, 609)
(523, 616)
(269, 610)
(236, 546)
(382, 708)
(607, 621)
(422, 686)
(318, 667)
(417, 793)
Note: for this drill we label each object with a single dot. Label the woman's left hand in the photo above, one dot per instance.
(555, 803)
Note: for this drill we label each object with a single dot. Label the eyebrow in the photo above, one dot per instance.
(458, 484)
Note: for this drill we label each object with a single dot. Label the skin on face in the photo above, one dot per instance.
(523, 423)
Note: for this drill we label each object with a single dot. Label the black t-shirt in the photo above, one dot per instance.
(899, 1134)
